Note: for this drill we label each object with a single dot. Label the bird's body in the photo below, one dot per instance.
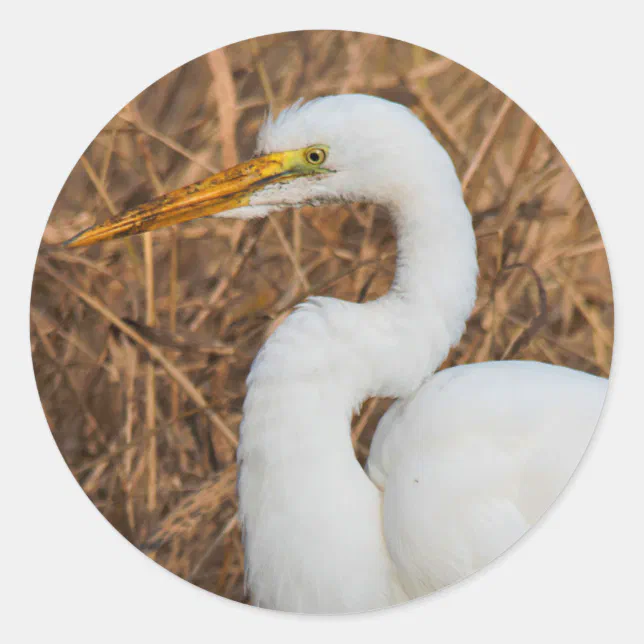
(457, 473)
(484, 450)
(463, 463)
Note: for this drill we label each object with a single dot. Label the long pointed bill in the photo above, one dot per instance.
(226, 190)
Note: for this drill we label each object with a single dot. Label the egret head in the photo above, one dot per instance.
(344, 148)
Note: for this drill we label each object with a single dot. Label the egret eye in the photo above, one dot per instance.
(315, 156)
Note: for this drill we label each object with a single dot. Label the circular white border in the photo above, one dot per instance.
(68, 68)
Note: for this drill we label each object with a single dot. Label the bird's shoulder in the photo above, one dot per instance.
(469, 462)
(492, 402)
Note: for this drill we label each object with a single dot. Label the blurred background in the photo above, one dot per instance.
(149, 425)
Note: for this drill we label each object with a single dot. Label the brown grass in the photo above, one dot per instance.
(141, 347)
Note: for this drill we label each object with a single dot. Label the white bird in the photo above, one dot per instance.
(463, 463)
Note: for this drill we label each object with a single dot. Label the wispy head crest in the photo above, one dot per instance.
(271, 122)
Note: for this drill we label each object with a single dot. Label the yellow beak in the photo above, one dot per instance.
(232, 188)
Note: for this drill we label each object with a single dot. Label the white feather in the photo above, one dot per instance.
(466, 460)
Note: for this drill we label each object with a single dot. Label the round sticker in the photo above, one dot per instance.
(322, 322)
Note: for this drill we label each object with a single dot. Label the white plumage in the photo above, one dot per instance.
(463, 463)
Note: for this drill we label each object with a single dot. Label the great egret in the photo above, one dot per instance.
(463, 463)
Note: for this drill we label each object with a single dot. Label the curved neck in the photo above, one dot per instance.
(302, 493)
